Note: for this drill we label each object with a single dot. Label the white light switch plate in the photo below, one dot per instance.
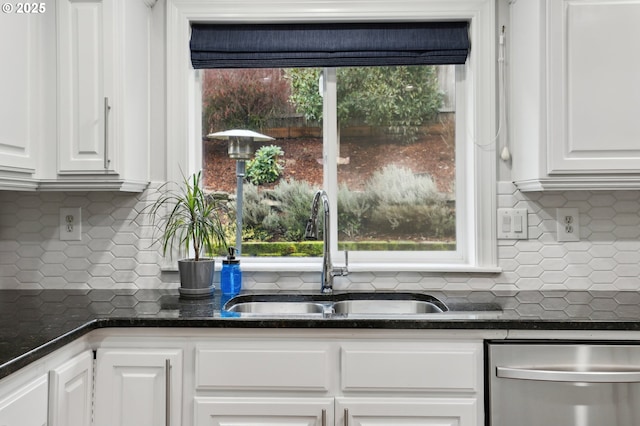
(70, 224)
(513, 224)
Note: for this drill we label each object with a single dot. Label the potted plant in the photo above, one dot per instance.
(191, 220)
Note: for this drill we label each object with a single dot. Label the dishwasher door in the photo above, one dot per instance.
(568, 384)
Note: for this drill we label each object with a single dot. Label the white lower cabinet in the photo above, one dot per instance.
(71, 392)
(138, 387)
(55, 390)
(266, 377)
(403, 382)
(336, 380)
(263, 411)
(26, 405)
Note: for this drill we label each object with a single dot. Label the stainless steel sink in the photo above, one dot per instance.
(385, 307)
(370, 304)
(276, 308)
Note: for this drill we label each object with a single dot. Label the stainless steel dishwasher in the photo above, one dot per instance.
(563, 384)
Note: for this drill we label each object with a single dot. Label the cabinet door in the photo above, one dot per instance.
(71, 391)
(263, 411)
(27, 406)
(103, 94)
(85, 85)
(138, 387)
(594, 86)
(20, 99)
(405, 412)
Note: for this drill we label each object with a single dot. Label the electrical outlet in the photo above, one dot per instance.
(70, 224)
(568, 226)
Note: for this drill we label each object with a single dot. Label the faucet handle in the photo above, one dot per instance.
(342, 271)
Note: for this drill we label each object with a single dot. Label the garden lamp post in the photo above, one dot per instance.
(241, 148)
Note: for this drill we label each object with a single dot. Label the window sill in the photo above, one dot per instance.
(300, 265)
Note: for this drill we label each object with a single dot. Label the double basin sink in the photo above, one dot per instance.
(350, 304)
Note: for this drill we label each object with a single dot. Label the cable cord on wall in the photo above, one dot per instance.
(505, 154)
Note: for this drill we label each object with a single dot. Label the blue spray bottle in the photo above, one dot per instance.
(230, 274)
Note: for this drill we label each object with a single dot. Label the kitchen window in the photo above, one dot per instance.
(388, 164)
(474, 125)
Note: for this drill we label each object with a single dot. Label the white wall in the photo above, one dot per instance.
(115, 249)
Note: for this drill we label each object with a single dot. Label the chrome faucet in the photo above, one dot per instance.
(311, 233)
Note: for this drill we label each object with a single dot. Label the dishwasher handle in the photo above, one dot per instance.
(549, 375)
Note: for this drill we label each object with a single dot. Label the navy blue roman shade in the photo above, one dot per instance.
(328, 45)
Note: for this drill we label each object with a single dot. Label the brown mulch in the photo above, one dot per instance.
(432, 155)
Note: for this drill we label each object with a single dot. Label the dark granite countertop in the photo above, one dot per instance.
(34, 323)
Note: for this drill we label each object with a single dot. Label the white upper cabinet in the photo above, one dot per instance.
(103, 95)
(86, 74)
(575, 94)
(20, 91)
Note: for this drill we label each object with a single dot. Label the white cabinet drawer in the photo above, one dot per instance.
(408, 411)
(449, 366)
(272, 366)
(263, 411)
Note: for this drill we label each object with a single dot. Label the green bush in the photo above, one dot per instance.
(396, 246)
(397, 98)
(281, 213)
(314, 248)
(277, 249)
(305, 93)
(265, 167)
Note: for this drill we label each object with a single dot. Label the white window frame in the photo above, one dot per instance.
(475, 117)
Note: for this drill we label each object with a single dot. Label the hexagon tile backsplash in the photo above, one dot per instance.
(115, 250)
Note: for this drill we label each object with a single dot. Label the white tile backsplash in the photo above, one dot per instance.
(116, 252)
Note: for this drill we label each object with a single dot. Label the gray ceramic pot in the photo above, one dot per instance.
(196, 278)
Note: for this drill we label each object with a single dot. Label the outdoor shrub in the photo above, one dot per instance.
(291, 249)
(408, 204)
(352, 208)
(278, 213)
(305, 93)
(399, 98)
(398, 185)
(430, 221)
(396, 246)
(253, 209)
(265, 167)
(442, 220)
(243, 98)
(293, 204)
(395, 202)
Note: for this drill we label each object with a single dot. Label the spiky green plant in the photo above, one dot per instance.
(188, 218)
